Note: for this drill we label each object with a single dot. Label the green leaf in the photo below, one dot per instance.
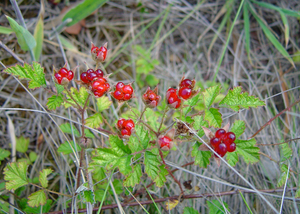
(4, 154)
(191, 102)
(247, 150)
(199, 122)
(25, 39)
(67, 43)
(152, 118)
(269, 34)
(134, 144)
(6, 30)
(210, 95)
(66, 128)
(32, 156)
(40, 209)
(39, 37)
(237, 100)
(283, 175)
(43, 177)
(94, 121)
(59, 88)
(214, 117)
(238, 128)
(35, 74)
(134, 177)
(190, 210)
(119, 155)
(15, 175)
(151, 165)
(55, 101)
(215, 207)
(37, 198)
(160, 180)
(22, 144)
(201, 157)
(89, 196)
(151, 80)
(83, 10)
(68, 148)
(296, 57)
(247, 29)
(143, 136)
(80, 96)
(285, 152)
(232, 158)
(286, 27)
(103, 103)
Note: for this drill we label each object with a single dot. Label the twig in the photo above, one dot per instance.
(11, 53)
(276, 144)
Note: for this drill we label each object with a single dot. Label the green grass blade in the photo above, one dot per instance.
(271, 37)
(6, 30)
(39, 37)
(111, 174)
(152, 199)
(227, 42)
(286, 27)
(247, 30)
(241, 194)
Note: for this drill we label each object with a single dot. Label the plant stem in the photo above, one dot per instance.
(57, 193)
(162, 120)
(70, 95)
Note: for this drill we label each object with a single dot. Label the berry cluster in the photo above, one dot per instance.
(165, 142)
(100, 86)
(123, 92)
(63, 76)
(186, 88)
(150, 98)
(223, 142)
(172, 98)
(99, 54)
(125, 126)
(90, 75)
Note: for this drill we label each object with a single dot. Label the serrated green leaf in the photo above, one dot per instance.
(40, 209)
(215, 207)
(22, 144)
(80, 97)
(54, 102)
(68, 148)
(247, 150)
(269, 34)
(232, 158)
(134, 177)
(6, 30)
(201, 157)
(25, 39)
(134, 144)
(43, 177)
(199, 122)
(35, 74)
(151, 118)
(32, 156)
(103, 103)
(94, 121)
(210, 94)
(237, 100)
(190, 210)
(285, 151)
(82, 10)
(15, 175)
(213, 117)
(160, 180)
(191, 102)
(89, 196)
(151, 164)
(119, 155)
(4, 154)
(143, 136)
(238, 128)
(59, 88)
(37, 198)
(39, 37)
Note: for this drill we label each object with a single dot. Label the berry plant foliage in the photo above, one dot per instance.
(136, 143)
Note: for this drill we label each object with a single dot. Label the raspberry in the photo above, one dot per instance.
(100, 87)
(58, 77)
(125, 126)
(83, 77)
(220, 133)
(91, 76)
(120, 123)
(63, 76)
(215, 142)
(118, 95)
(128, 124)
(70, 75)
(127, 89)
(186, 83)
(101, 55)
(185, 92)
(150, 98)
(221, 149)
(230, 136)
(231, 147)
(99, 73)
(170, 92)
(119, 86)
(98, 93)
(89, 71)
(173, 98)
(127, 97)
(165, 143)
(63, 72)
(125, 132)
(151, 95)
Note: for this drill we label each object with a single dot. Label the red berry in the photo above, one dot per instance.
(185, 93)
(145, 97)
(127, 89)
(186, 83)
(99, 93)
(171, 92)
(107, 86)
(99, 82)
(99, 73)
(215, 142)
(172, 99)
(89, 71)
(101, 54)
(125, 132)
(119, 86)
(118, 95)
(91, 76)
(127, 97)
(128, 124)
(151, 95)
(221, 149)
(120, 123)
(83, 77)
(230, 136)
(165, 142)
(220, 133)
(58, 78)
(70, 75)
(231, 147)
(63, 72)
